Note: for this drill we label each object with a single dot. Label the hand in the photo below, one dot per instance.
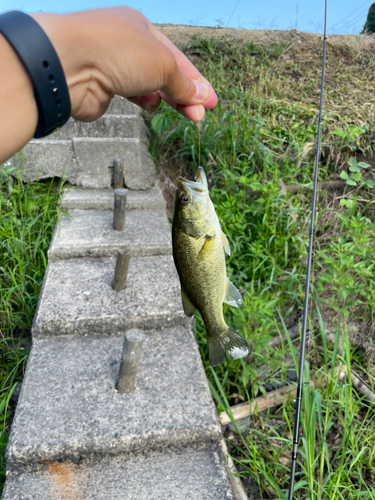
(117, 51)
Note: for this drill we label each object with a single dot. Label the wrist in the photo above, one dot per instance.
(73, 44)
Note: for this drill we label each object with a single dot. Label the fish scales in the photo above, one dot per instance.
(199, 274)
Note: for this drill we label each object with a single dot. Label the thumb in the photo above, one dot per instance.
(182, 89)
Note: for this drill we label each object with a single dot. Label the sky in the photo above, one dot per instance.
(344, 16)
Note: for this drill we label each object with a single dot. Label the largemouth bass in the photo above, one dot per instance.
(198, 252)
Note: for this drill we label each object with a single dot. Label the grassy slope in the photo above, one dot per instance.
(262, 136)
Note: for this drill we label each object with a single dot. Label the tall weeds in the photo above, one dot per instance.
(28, 213)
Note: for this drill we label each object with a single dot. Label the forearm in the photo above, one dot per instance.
(18, 110)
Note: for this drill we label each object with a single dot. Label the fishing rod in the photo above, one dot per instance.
(308, 273)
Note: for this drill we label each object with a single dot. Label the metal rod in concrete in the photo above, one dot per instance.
(119, 209)
(129, 361)
(118, 173)
(121, 270)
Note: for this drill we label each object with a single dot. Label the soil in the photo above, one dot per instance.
(181, 35)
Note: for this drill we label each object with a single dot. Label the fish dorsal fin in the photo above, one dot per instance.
(232, 295)
(225, 241)
(189, 309)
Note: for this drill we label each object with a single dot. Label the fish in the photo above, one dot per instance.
(198, 252)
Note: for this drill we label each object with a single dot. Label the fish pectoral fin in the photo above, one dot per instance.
(225, 241)
(189, 309)
(232, 295)
(208, 246)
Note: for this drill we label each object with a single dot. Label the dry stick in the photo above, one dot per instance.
(276, 397)
(273, 398)
(119, 209)
(235, 481)
(281, 339)
(359, 384)
(325, 185)
(121, 271)
(129, 361)
(288, 360)
(118, 173)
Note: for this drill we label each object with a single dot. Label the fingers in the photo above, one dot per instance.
(179, 88)
(184, 84)
(194, 113)
(149, 102)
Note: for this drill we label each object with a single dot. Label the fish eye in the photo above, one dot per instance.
(185, 199)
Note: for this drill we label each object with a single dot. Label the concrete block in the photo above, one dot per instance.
(121, 106)
(68, 131)
(102, 199)
(77, 297)
(94, 157)
(105, 126)
(46, 158)
(112, 126)
(89, 233)
(190, 474)
(69, 408)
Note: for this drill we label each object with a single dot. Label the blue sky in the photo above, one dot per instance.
(345, 16)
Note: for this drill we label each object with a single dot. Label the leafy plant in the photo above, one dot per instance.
(354, 178)
(161, 122)
(350, 136)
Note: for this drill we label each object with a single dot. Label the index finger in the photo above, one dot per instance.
(184, 64)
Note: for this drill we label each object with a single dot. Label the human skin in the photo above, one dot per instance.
(104, 52)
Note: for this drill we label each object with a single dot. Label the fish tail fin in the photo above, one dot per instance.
(226, 342)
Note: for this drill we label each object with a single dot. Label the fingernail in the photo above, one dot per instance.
(202, 91)
(151, 99)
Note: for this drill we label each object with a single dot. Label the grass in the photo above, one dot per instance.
(260, 138)
(28, 214)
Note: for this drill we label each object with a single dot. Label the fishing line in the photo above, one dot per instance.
(308, 273)
(199, 143)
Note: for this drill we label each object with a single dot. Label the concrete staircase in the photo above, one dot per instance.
(82, 153)
(73, 436)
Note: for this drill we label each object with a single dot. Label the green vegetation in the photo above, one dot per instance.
(369, 26)
(28, 214)
(257, 147)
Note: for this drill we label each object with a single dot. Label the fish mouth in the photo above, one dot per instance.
(200, 176)
(191, 187)
(197, 187)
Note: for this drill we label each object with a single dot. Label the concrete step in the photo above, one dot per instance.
(102, 199)
(121, 106)
(194, 474)
(90, 233)
(87, 161)
(77, 297)
(105, 126)
(69, 408)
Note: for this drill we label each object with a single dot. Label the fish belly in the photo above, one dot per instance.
(203, 275)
